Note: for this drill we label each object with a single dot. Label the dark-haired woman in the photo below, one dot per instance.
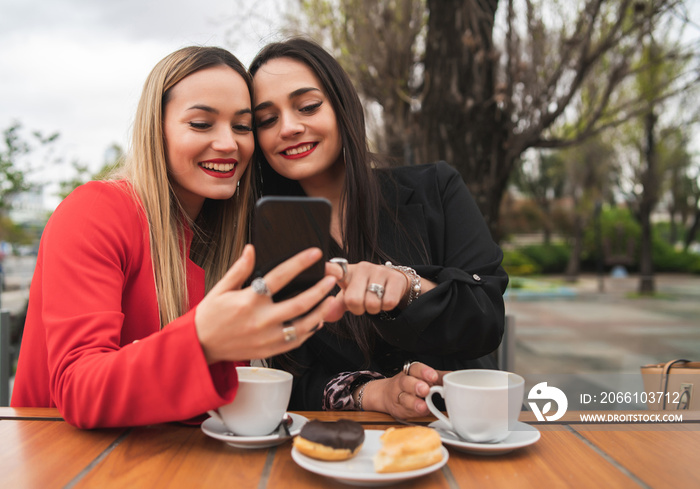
(422, 288)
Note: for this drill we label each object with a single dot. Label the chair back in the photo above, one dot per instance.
(5, 358)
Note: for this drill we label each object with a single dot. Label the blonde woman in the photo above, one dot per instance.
(119, 331)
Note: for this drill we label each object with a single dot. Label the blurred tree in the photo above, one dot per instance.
(115, 157)
(12, 233)
(589, 172)
(467, 82)
(650, 134)
(694, 185)
(13, 167)
(675, 157)
(543, 178)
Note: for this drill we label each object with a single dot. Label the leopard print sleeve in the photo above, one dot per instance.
(337, 396)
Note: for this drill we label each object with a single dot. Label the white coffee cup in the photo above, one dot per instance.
(260, 403)
(482, 405)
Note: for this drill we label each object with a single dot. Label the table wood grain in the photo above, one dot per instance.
(559, 459)
(176, 456)
(42, 454)
(39, 450)
(660, 456)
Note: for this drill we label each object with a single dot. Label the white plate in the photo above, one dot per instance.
(359, 470)
(522, 436)
(214, 428)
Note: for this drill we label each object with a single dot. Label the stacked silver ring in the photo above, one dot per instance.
(407, 367)
(376, 289)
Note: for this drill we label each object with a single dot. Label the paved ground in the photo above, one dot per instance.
(611, 331)
(578, 334)
(590, 340)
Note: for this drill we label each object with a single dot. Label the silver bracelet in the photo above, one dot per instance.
(414, 279)
(360, 395)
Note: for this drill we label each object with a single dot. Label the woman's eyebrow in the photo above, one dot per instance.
(295, 93)
(212, 110)
(205, 108)
(302, 91)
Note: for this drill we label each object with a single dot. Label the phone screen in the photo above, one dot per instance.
(284, 226)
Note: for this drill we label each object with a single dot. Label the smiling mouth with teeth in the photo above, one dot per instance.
(220, 167)
(299, 149)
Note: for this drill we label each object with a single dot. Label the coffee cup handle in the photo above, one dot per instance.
(437, 389)
(215, 414)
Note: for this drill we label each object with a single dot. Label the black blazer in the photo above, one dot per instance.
(454, 326)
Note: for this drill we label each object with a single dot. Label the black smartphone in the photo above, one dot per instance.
(284, 226)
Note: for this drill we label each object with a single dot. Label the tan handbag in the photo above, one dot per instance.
(673, 385)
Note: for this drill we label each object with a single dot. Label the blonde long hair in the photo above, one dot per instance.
(221, 229)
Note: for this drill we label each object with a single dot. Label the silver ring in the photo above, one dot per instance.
(260, 287)
(407, 367)
(376, 289)
(343, 264)
(290, 333)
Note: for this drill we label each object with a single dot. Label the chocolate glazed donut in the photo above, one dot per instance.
(330, 440)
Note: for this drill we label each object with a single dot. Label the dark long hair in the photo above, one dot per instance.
(360, 200)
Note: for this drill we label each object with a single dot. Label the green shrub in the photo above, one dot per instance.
(550, 258)
(620, 235)
(668, 259)
(516, 263)
(617, 227)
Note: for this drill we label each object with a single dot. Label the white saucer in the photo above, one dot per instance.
(214, 428)
(522, 436)
(359, 470)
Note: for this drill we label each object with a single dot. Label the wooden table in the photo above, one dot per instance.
(38, 449)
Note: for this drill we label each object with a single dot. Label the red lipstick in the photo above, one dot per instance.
(219, 167)
(311, 148)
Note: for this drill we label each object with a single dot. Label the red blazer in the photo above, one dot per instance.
(92, 343)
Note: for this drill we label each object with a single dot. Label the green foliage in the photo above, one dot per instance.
(516, 263)
(620, 231)
(12, 233)
(15, 167)
(668, 259)
(542, 177)
(82, 172)
(618, 228)
(550, 258)
(13, 174)
(662, 230)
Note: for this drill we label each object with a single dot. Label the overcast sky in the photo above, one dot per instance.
(77, 66)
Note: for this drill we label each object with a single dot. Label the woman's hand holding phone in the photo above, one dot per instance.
(236, 323)
(284, 226)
